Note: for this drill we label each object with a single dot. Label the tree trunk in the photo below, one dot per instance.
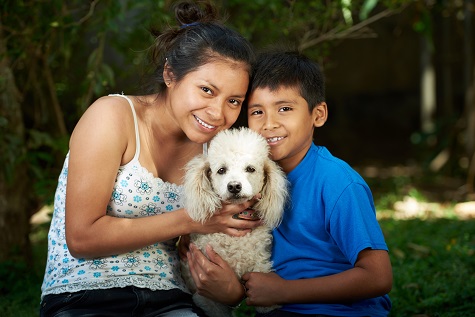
(428, 98)
(15, 207)
(446, 106)
(469, 95)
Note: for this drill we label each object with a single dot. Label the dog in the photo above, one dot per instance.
(236, 168)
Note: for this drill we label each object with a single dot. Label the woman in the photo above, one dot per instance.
(117, 214)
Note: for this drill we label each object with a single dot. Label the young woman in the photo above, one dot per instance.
(117, 214)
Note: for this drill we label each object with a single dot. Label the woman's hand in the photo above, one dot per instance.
(223, 221)
(213, 277)
(183, 247)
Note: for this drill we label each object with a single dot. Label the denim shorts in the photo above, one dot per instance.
(117, 302)
(283, 313)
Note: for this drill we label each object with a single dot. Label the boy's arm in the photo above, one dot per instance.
(370, 277)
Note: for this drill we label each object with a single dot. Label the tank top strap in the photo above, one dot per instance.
(136, 125)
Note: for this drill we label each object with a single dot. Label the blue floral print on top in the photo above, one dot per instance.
(136, 193)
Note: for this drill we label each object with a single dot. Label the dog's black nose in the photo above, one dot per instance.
(234, 187)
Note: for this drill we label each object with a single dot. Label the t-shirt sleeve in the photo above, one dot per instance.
(353, 224)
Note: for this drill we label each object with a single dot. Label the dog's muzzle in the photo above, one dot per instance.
(234, 187)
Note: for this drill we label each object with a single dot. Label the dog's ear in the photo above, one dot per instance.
(200, 200)
(274, 195)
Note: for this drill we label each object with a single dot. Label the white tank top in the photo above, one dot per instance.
(136, 193)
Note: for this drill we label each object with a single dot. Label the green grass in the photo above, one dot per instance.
(433, 264)
(20, 283)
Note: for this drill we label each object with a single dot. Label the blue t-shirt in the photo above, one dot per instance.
(330, 220)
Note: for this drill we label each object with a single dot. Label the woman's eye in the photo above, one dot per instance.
(207, 90)
(235, 102)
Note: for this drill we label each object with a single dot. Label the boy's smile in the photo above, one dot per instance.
(282, 116)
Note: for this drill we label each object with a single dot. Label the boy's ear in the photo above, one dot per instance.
(320, 114)
(168, 74)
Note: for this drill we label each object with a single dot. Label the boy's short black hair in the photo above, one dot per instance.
(277, 68)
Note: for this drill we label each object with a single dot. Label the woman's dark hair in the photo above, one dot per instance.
(200, 38)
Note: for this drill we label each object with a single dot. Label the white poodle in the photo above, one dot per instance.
(236, 168)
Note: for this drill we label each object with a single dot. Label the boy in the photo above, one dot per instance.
(329, 253)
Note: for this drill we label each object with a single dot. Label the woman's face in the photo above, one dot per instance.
(208, 99)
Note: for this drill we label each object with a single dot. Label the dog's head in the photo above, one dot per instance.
(236, 164)
(236, 169)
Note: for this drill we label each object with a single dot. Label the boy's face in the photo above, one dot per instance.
(283, 118)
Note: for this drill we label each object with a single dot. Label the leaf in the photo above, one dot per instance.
(421, 249)
(106, 75)
(367, 7)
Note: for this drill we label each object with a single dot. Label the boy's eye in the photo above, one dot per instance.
(283, 109)
(256, 112)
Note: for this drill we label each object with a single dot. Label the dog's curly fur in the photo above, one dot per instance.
(236, 168)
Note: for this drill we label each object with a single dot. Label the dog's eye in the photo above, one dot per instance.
(222, 171)
(250, 169)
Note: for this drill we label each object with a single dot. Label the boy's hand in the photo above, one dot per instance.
(263, 289)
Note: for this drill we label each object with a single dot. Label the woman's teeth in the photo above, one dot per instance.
(204, 123)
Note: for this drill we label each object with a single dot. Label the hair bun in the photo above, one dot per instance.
(189, 13)
(201, 38)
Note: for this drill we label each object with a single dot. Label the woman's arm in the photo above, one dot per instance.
(97, 146)
(370, 277)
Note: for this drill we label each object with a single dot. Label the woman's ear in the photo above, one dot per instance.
(320, 114)
(168, 74)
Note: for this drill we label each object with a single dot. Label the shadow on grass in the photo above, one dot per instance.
(433, 263)
(20, 283)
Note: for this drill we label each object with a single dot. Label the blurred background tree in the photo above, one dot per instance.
(57, 57)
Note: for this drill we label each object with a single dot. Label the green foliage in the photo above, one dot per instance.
(10, 149)
(310, 26)
(245, 311)
(64, 55)
(366, 8)
(433, 266)
(19, 290)
(388, 190)
(20, 283)
(43, 152)
(443, 150)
